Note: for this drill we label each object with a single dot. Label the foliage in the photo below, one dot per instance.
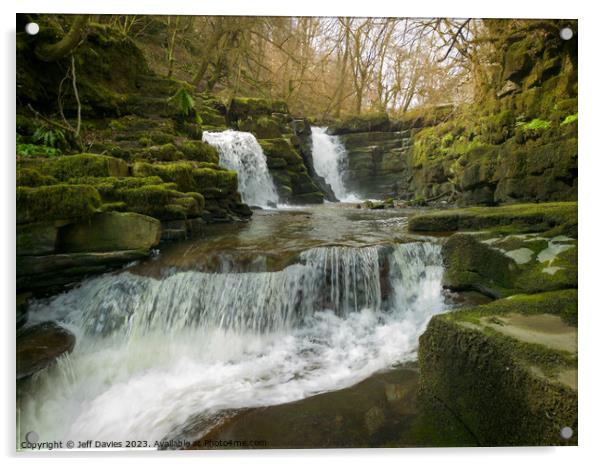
(184, 104)
(535, 124)
(569, 119)
(36, 150)
(51, 137)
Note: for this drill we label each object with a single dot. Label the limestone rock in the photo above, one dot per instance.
(111, 231)
(506, 369)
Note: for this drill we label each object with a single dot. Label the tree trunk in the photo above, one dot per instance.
(76, 34)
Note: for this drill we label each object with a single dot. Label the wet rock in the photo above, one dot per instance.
(40, 345)
(52, 272)
(361, 124)
(381, 411)
(22, 305)
(559, 216)
(506, 369)
(35, 239)
(472, 265)
(506, 265)
(111, 231)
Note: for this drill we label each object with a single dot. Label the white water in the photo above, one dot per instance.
(329, 157)
(241, 152)
(152, 354)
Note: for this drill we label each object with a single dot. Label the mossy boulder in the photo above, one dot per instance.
(555, 217)
(57, 202)
(70, 166)
(145, 195)
(506, 369)
(506, 265)
(263, 127)
(190, 176)
(361, 124)
(37, 238)
(111, 231)
(161, 153)
(242, 107)
(472, 265)
(199, 151)
(33, 178)
(517, 61)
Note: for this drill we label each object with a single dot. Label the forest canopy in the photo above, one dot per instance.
(326, 67)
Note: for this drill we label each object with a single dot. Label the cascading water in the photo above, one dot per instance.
(330, 157)
(153, 355)
(241, 152)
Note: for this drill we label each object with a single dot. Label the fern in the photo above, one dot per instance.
(183, 102)
(49, 137)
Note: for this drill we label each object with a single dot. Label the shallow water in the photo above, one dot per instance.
(297, 302)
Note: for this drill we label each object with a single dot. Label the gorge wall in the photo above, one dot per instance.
(518, 142)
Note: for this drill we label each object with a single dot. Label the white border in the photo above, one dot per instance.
(589, 206)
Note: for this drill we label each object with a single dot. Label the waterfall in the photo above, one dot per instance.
(241, 152)
(154, 354)
(330, 159)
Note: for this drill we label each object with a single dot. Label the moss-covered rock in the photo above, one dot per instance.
(199, 151)
(33, 178)
(555, 217)
(507, 369)
(502, 266)
(37, 238)
(70, 166)
(263, 127)
(361, 124)
(472, 265)
(57, 202)
(109, 67)
(242, 107)
(111, 231)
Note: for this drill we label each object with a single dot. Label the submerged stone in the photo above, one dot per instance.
(40, 345)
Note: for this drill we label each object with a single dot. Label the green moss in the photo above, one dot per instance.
(562, 303)
(363, 123)
(160, 137)
(33, 178)
(502, 389)
(160, 202)
(513, 218)
(57, 202)
(535, 124)
(71, 166)
(145, 141)
(242, 107)
(199, 151)
(569, 119)
(190, 176)
(470, 264)
(163, 153)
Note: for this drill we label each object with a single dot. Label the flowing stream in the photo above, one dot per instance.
(241, 152)
(165, 346)
(330, 158)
